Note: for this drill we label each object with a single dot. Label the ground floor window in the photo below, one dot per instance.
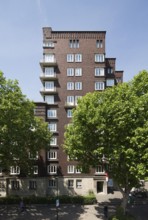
(70, 183)
(32, 184)
(2, 186)
(52, 183)
(78, 184)
(15, 185)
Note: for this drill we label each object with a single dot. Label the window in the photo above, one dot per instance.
(52, 126)
(110, 82)
(70, 100)
(35, 169)
(33, 155)
(49, 71)
(32, 184)
(49, 58)
(2, 186)
(76, 99)
(74, 43)
(99, 57)
(52, 183)
(78, 85)
(99, 71)
(52, 113)
(53, 141)
(78, 58)
(70, 71)
(49, 86)
(52, 155)
(99, 44)
(14, 170)
(70, 169)
(99, 169)
(49, 99)
(70, 58)
(78, 170)
(70, 183)
(78, 184)
(69, 113)
(70, 86)
(48, 44)
(99, 85)
(52, 169)
(78, 72)
(109, 70)
(15, 184)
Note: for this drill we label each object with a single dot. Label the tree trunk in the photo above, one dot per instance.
(125, 201)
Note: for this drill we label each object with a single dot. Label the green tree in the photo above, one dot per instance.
(21, 132)
(113, 123)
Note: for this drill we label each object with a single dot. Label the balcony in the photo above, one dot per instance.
(44, 77)
(44, 91)
(45, 62)
(70, 105)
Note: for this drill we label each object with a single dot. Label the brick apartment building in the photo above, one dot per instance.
(73, 64)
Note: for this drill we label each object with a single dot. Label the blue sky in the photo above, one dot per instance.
(21, 22)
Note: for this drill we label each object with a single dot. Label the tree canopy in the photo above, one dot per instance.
(113, 123)
(21, 132)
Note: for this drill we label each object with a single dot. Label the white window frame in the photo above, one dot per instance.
(48, 44)
(52, 126)
(49, 99)
(74, 43)
(52, 169)
(52, 155)
(99, 43)
(99, 169)
(70, 58)
(70, 169)
(69, 113)
(70, 100)
(99, 58)
(35, 169)
(78, 58)
(14, 170)
(78, 71)
(70, 85)
(49, 58)
(49, 71)
(70, 71)
(99, 85)
(49, 86)
(79, 184)
(78, 85)
(78, 170)
(53, 141)
(99, 71)
(51, 113)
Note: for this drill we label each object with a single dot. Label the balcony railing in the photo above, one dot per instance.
(44, 76)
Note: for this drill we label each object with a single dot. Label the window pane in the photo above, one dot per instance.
(52, 113)
(49, 99)
(110, 82)
(99, 71)
(70, 57)
(70, 100)
(99, 57)
(99, 85)
(78, 57)
(70, 71)
(70, 86)
(78, 72)
(78, 85)
(69, 113)
(52, 126)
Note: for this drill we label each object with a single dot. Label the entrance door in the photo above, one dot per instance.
(99, 186)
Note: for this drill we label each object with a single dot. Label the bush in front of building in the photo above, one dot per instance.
(119, 215)
(64, 199)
